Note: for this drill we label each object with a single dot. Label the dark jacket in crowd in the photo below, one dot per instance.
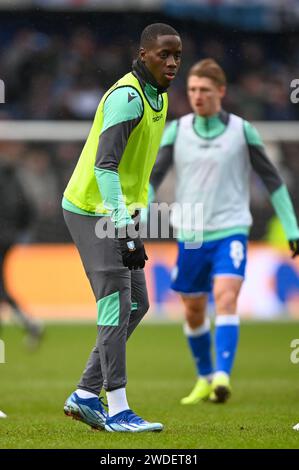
(16, 214)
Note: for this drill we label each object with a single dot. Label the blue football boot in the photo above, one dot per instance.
(128, 421)
(88, 410)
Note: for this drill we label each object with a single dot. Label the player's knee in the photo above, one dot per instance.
(194, 316)
(226, 301)
(194, 322)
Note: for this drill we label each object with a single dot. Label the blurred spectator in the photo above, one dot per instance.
(16, 215)
(278, 101)
(41, 187)
(247, 97)
(80, 101)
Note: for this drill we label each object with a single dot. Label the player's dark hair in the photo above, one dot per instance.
(209, 68)
(152, 31)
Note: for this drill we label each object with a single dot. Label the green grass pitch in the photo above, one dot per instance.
(262, 410)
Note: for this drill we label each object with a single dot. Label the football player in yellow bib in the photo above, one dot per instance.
(109, 183)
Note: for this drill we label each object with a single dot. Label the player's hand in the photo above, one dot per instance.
(132, 250)
(294, 247)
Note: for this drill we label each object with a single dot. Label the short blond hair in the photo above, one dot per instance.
(210, 69)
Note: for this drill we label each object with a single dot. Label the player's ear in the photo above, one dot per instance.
(222, 91)
(142, 54)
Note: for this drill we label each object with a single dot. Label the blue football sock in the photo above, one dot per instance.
(226, 341)
(200, 345)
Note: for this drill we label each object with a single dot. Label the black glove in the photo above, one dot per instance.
(294, 247)
(132, 251)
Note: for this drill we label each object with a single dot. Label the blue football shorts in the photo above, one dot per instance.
(196, 268)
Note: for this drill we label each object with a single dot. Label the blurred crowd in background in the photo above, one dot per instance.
(60, 69)
(55, 74)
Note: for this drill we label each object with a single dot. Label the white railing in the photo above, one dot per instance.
(50, 131)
